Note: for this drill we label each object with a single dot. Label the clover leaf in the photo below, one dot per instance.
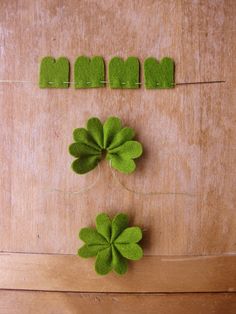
(110, 138)
(112, 242)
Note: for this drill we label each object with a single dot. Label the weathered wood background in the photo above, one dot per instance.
(189, 137)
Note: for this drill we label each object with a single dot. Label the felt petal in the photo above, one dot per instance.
(91, 237)
(130, 149)
(54, 73)
(120, 164)
(103, 264)
(91, 250)
(124, 74)
(119, 223)
(110, 128)
(95, 128)
(79, 149)
(103, 226)
(126, 134)
(85, 164)
(89, 73)
(119, 263)
(130, 251)
(159, 74)
(129, 235)
(81, 135)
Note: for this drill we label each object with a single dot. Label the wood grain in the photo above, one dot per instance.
(151, 274)
(17, 302)
(188, 133)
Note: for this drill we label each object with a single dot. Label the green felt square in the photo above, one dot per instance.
(54, 73)
(89, 73)
(124, 74)
(159, 75)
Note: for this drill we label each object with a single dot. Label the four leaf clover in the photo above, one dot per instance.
(113, 140)
(112, 242)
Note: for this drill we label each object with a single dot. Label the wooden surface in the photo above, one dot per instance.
(49, 302)
(152, 274)
(188, 133)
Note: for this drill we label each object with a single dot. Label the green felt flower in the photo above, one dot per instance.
(112, 242)
(109, 139)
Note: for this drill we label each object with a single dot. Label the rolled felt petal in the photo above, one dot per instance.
(80, 149)
(103, 226)
(111, 126)
(119, 263)
(124, 135)
(119, 223)
(103, 264)
(121, 164)
(91, 250)
(81, 135)
(95, 128)
(91, 236)
(85, 164)
(130, 251)
(130, 149)
(129, 235)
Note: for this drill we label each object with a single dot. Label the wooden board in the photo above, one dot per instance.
(152, 274)
(73, 303)
(188, 133)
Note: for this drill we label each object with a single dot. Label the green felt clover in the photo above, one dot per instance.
(109, 139)
(112, 242)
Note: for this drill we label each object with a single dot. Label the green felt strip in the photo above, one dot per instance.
(103, 264)
(159, 75)
(124, 135)
(129, 235)
(91, 236)
(89, 73)
(54, 73)
(103, 226)
(124, 74)
(130, 251)
(85, 164)
(110, 128)
(95, 128)
(91, 250)
(119, 223)
(119, 263)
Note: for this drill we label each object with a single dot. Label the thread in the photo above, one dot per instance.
(152, 193)
(123, 83)
(84, 189)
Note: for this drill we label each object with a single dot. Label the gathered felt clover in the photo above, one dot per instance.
(112, 242)
(110, 139)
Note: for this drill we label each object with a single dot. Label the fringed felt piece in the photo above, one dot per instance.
(89, 73)
(112, 242)
(159, 75)
(124, 74)
(54, 73)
